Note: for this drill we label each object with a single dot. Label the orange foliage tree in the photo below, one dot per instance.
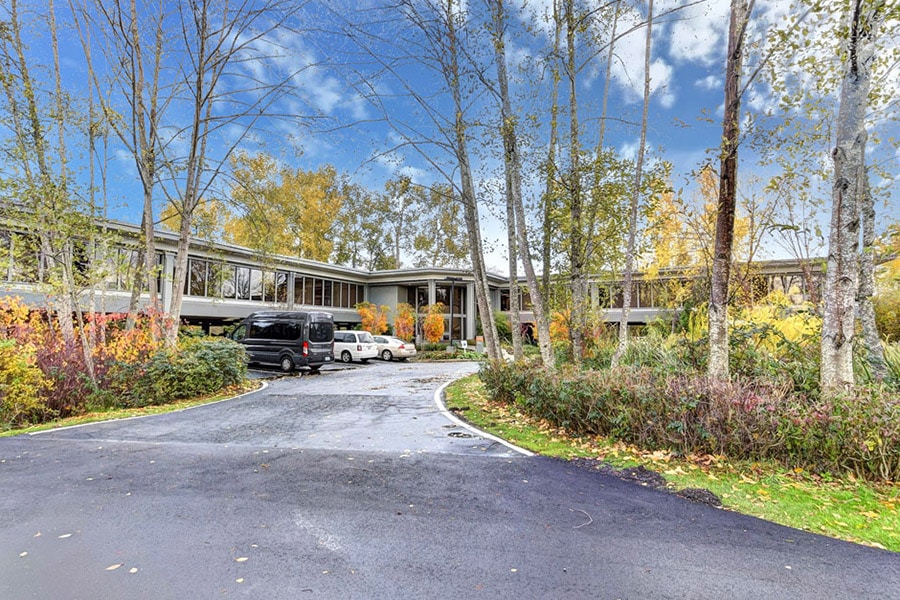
(405, 321)
(433, 326)
(559, 326)
(373, 317)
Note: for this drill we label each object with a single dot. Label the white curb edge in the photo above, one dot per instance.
(438, 399)
(264, 386)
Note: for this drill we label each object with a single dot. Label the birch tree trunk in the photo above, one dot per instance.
(874, 349)
(551, 173)
(469, 198)
(635, 201)
(842, 274)
(513, 167)
(578, 278)
(717, 366)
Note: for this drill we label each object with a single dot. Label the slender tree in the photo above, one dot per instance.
(519, 239)
(435, 38)
(219, 37)
(630, 250)
(848, 196)
(136, 45)
(718, 299)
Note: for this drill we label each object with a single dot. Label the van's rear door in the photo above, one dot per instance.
(321, 339)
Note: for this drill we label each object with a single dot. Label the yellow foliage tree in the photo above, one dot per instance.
(559, 326)
(207, 223)
(433, 325)
(284, 211)
(373, 317)
(405, 322)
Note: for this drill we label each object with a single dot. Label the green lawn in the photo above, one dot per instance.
(839, 507)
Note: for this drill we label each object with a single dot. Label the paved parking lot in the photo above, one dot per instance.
(353, 484)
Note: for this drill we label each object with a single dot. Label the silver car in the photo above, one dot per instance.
(390, 348)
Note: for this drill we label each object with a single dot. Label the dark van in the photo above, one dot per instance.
(289, 339)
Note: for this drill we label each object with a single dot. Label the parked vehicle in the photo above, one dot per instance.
(390, 348)
(289, 339)
(354, 345)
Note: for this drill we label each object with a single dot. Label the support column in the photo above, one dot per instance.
(471, 311)
(165, 281)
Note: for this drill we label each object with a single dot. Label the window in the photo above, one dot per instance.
(242, 281)
(261, 329)
(223, 276)
(326, 292)
(256, 285)
(268, 286)
(317, 292)
(603, 296)
(308, 289)
(5, 255)
(321, 331)
(196, 283)
(298, 289)
(281, 287)
(26, 264)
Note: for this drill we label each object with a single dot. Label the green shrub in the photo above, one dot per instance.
(21, 386)
(745, 418)
(198, 368)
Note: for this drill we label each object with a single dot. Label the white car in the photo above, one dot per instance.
(390, 348)
(354, 345)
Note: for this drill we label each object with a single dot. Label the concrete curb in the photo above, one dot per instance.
(265, 384)
(439, 401)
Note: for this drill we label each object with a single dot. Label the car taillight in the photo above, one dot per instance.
(359, 347)
(305, 348)
(402, 347)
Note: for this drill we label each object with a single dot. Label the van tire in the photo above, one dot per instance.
(346, 356)
(286, 364)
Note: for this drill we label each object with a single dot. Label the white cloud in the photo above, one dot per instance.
(628, 66)
(697, 33)
(710, 82)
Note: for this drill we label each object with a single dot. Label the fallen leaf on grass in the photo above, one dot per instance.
(241, 559)
(113, 567)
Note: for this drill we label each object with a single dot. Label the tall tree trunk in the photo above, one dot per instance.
(469, 198)
(842, 274)
(578, 279)
(513, 166)
(515, 316)
(874, 349)
(717, 366)
(635, 202)
(552, 172)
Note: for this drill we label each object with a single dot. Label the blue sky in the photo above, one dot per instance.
(331, 75)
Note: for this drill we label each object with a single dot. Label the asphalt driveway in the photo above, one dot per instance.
(352, 484)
